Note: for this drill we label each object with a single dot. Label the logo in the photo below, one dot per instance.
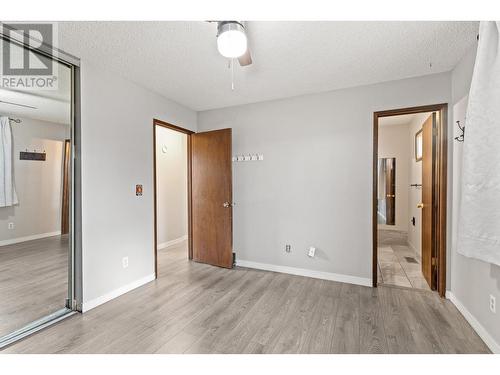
(32, 68)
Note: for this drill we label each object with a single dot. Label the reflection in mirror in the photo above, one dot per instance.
(34, 200)
(386, 208)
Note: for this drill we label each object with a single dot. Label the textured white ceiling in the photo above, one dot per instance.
(179, 60)
(397, 120)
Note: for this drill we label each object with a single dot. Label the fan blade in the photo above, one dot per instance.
(245, 59)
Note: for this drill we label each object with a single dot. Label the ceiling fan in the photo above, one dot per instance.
(232, 41)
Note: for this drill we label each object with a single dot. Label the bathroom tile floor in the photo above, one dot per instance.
(399, 265)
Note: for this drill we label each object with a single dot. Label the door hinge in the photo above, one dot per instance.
(433, 261)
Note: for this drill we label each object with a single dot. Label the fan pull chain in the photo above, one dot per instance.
(232, 74)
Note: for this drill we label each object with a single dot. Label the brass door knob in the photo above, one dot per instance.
(420, 205)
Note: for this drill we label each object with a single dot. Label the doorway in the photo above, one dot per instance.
(409, 197)
(205, 184)
(172, 188)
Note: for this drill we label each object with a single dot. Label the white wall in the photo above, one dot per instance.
(415, 194)
(393, 143)
(38, 183)
(117, 153)
(171, 193)
(472, 281)
(314, 186)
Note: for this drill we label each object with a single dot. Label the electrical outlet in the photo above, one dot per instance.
(11, 225)
(125, 262)
(288, 248)
(493, 304)
(311, 252)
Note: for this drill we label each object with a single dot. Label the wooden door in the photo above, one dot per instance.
(212, 216)
(428, 261)
(65, 188)
(390, 190)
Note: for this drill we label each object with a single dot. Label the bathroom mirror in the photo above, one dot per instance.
(386, 208)
(419, 145)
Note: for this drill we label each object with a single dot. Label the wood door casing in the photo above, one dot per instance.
(211, 176)
(440, 164)
(427, 200)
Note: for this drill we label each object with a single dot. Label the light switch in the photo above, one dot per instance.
(138, 190)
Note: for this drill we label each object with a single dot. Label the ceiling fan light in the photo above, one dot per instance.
(231, 40)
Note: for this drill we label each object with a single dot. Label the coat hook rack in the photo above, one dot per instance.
(461, 137)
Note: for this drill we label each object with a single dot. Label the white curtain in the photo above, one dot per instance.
(479, 223)
(8, 196)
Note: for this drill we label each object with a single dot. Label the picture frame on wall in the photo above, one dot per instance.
(419, 145)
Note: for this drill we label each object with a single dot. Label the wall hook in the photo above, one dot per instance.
(461, 137)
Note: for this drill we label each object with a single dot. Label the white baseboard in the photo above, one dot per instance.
(89, 305)
(29, 238)
(173, 242)
(304, 272)
(480, 330)
(417, 254)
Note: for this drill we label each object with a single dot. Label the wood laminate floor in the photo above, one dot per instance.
(33, 281)
(197, 308)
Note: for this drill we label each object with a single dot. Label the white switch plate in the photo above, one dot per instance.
(312, 252)
(125, 262)
(11, 225)
(493, 304)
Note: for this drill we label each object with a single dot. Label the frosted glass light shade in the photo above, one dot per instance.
(231, 40)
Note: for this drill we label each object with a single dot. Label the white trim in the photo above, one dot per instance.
(173, 242)
(29, 238)
(307, 273)
(89, 305)
(480, 330)
(417, 254)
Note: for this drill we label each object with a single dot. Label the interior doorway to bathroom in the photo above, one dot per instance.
(409, 198)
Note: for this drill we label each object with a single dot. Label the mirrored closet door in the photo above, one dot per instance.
(35, 192)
